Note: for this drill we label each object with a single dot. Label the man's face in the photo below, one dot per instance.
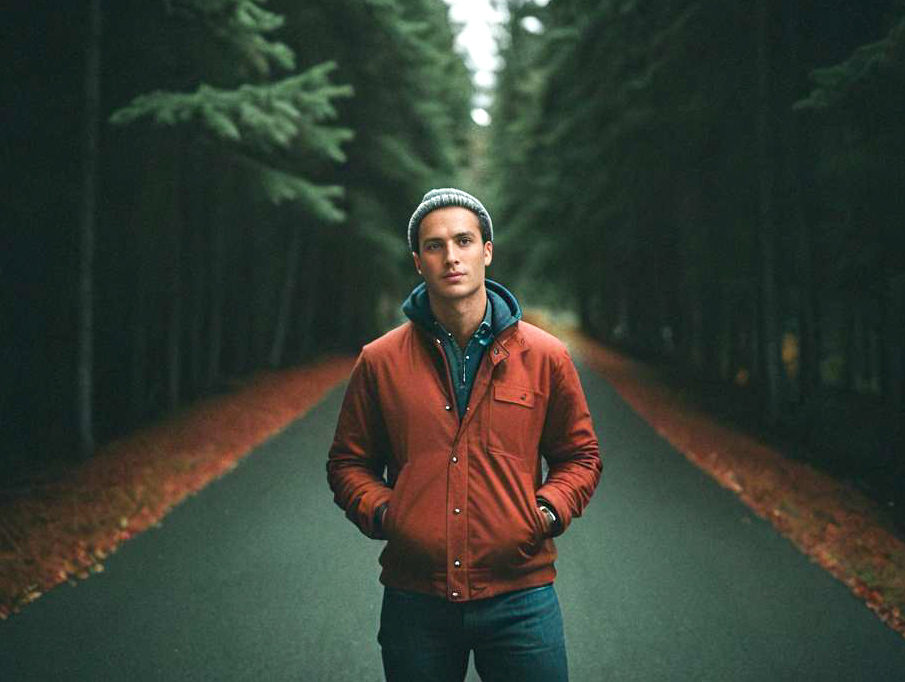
(452, 258)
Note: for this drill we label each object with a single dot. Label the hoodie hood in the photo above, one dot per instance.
(505, 310)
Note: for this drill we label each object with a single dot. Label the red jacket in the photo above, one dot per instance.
(462, 520)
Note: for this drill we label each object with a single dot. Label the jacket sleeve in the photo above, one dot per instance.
(357, 458)
(569, 444)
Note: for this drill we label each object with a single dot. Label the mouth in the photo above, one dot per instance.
(454, 276)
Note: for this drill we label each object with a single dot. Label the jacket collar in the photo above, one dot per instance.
(505, 309)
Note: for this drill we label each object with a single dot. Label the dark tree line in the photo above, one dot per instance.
(720, 185)
(206, 188)
(199, 189)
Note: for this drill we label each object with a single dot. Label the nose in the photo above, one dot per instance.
(452, 255)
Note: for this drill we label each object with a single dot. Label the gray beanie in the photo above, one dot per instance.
(448, 196)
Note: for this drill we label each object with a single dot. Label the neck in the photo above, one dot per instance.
(460, 316)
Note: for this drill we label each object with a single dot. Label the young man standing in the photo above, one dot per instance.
(458, 405)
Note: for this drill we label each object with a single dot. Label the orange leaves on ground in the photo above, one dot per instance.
(832, 523)
(66, 528)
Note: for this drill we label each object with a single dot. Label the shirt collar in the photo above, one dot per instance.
(484, 333)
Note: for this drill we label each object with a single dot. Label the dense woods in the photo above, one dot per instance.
(200, 189)
(723, 186)
(206, 188)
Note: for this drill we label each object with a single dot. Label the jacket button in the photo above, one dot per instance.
(448, 407)
(455, 459)
(457, 563)
(457, 511)
(455, 595)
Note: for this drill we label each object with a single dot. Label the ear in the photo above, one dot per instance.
(488, 253)
(417, 260)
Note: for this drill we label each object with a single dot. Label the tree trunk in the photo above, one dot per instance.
(146, 221)
(286, 296)
(174, 293)
(766, 218)
(809, 339)
(197, 259)
(726, 340)
(222, 222)
(244, 291)
(691, 258)
(894, 322)
(218, 286)
(90, 153)
(308, 312)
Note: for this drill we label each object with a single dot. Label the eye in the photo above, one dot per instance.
(465, 240)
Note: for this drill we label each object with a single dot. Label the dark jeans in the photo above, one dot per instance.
(515, 636)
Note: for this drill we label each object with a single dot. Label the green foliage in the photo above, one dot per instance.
(265, 117)
(410, 110)
(270, 122)
(857, 106)
(318, 201)
(882, 61)
(242, 24)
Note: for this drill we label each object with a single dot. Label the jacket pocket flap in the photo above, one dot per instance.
(514, 394)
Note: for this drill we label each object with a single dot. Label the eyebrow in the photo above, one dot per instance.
(455, 236)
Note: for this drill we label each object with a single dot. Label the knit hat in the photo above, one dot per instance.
(448, 196)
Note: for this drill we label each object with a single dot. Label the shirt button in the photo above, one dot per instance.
(457, 563)
(457, 511)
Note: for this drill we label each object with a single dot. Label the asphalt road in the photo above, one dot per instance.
(261, 577)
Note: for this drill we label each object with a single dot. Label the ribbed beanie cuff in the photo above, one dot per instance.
(448, 196)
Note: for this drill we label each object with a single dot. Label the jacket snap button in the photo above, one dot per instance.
(457, 563)
(457, 511)
(455, 459)
(455, 595)
(448, 407)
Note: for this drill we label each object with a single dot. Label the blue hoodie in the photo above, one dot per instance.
(503, 311)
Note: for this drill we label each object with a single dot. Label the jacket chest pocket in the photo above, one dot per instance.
(513, 424)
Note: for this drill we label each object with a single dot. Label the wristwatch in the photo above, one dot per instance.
(378, 518)
(546, 511)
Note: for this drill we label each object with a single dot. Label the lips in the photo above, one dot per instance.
(454, 276)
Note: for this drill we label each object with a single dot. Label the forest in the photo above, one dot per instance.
(202, 189)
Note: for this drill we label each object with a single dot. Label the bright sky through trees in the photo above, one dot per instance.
(479, 20)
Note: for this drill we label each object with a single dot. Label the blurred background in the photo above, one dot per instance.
(197, 190)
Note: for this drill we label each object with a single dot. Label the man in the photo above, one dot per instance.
(458, 405)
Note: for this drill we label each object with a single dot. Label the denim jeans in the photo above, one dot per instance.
(514, 636)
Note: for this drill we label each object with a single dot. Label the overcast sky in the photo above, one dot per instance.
(479, 20)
